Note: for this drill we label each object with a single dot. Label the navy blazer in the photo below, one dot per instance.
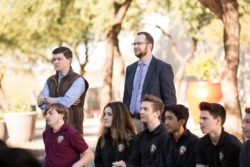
(159, 81)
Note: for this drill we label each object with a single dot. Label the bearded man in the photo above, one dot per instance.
(148, 75)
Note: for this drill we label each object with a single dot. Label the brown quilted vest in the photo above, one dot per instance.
(76, 114)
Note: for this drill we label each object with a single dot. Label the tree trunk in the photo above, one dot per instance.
(3, 98)
(227, 10)
(230, 19)
(77, 55)
(183, 60)
(112, 50)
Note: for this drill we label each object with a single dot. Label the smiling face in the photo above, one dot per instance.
(246, 125)
(208, 123)
(171, 122)
(141, 46)
(107, 117)
(61, 63)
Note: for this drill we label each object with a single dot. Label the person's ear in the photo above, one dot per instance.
(150, 46)
(157, 113)
(62, 116)
(218, 121)
(182, 121)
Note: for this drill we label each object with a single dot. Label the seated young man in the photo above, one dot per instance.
(245, 151)
(180, 148)
(147, 146)
(217, 148)
(63, 144)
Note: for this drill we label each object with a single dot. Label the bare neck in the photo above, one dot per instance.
(177, 135)
(57, 126)
(153, 125)
(64, 71)
(215, 136)
(146, 57)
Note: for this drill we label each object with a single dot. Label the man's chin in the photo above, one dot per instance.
(48, 124)
(139, 55)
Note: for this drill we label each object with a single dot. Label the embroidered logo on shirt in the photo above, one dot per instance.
(182, 150)
(60, 139)
(221, 156)
(120, 147)
(153, 148)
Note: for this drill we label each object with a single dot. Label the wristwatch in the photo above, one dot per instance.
(45, 100)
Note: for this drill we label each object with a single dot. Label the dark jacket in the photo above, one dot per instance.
(147, 148)
(111, 152)
(180, 153)
(159, 81)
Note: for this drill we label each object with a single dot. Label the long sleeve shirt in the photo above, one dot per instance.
(71, 96)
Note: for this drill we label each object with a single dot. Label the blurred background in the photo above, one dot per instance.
(202, 40)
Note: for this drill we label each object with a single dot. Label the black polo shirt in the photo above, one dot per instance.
(224, 154)
(147, 148)
(111, 152)
(180, 153)
(245, 154)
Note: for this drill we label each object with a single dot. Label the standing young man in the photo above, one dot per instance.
(147, 146)
(217, 148)
(148, 75)
(245, 151)
(63, 144)
(65, 87)
(180, 148)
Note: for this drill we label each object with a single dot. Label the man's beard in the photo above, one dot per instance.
(140, 55)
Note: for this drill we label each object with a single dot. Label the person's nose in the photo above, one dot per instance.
(243, 125)
(105, 116)
(200, 121)
(47, 115)
(56, 61)
(166, 122)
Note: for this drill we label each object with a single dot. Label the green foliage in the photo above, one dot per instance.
(192, 15)
(20, 106)
(204, 66)
(244, 10)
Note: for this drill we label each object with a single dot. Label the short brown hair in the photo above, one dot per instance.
(157, 103)
(66, 52)
(148, 36)
(247, 110)
(215, 109)
(61, 109)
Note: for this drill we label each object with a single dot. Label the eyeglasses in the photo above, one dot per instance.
(139, 43)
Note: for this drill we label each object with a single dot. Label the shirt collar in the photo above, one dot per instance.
(184, 135)
(63, 128)
(157, 130)
(221, 139)
(146, 62)
(63, 74)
